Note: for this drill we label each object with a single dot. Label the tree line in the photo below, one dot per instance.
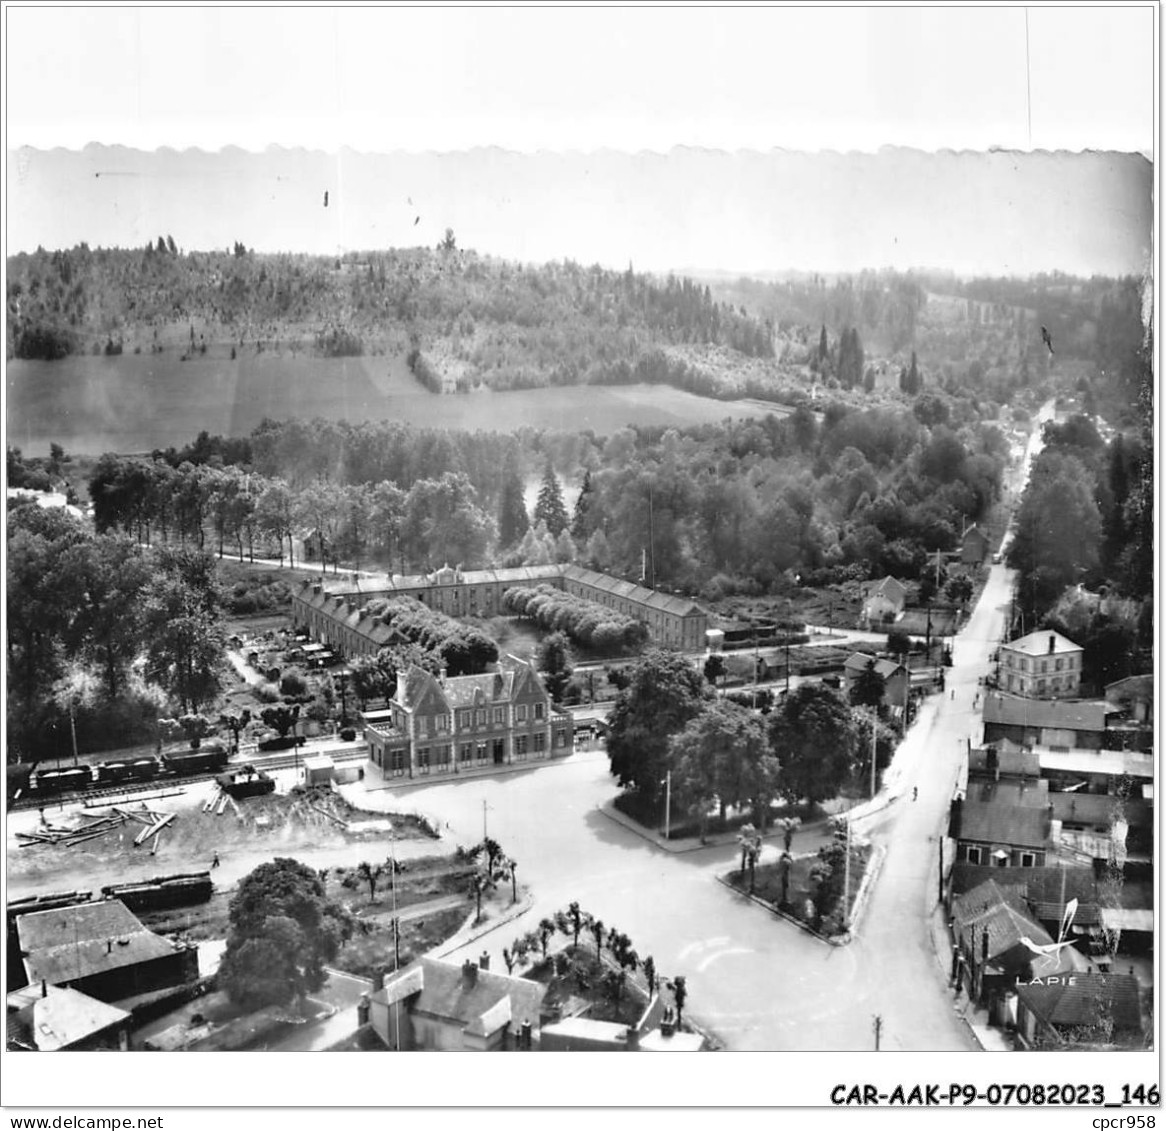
(105, 631)
(585, 622)
(715, 509)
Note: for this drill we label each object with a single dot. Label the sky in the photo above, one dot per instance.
(677, 138)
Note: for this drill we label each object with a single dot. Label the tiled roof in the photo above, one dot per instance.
(1011, 760)
(888, 586)
(1045, 891)
(1085, 1000)
(1031, 794)
(1014, 825)
(1060, 714)
(1140, 687)
(1098, 809)
(69, 943)
(858, 662)
(494, 687)
(447, 993)
(1037, 644)
(664, 602)
(996, 912)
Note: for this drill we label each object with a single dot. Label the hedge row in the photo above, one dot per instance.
(584, 621)
(463, 650)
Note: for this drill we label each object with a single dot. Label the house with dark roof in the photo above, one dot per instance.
(896, 680)
(1046, 892)
(1003, 761)
(1134, 697)
(1044, 722)
(998, 943)
(1089, 1010)
(102, 950)
(445, 1007)
(44, 1018)
(974, 547)
(883, 601)
(436, 725)
(1042, 665)
(1000, 834)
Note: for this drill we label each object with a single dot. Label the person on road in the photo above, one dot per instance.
(215, 861)
(915, 793)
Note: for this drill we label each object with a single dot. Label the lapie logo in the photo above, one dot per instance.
(1052, 980)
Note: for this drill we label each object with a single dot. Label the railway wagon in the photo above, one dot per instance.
(126, 769)
(207, 759)
(62, 781)
(162, 892)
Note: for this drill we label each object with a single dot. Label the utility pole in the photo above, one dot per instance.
(668, 806)
(788, 628)
(485, 807)
(846, 880)
(874, 743)
(878, 1029)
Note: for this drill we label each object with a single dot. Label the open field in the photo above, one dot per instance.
(137, 403)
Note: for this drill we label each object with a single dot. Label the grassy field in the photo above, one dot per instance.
(136, 403)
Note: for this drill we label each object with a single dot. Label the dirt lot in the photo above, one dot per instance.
(291, 824)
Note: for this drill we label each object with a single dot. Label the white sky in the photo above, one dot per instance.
(531, 78)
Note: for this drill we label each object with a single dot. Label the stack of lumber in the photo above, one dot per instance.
(218, 801)
(92, 827)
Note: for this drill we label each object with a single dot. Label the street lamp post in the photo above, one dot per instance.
(668, 805)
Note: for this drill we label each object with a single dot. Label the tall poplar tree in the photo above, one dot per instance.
(550, 507)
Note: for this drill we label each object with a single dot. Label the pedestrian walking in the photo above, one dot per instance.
(915, 793)
(215, 861)
(953, 692)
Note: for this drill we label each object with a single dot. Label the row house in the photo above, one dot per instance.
(435, 725)
(331, 611)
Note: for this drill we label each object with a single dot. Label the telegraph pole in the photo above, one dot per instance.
(874, 742)
(668, 806)
(878, 1029)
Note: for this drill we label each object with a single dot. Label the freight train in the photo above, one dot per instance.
(30, 783)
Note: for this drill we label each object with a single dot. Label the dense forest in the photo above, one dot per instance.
(719, 509)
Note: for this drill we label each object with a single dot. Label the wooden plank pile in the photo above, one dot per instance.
(218, 801)
(92, 827)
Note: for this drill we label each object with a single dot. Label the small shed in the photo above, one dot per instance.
(318, 769)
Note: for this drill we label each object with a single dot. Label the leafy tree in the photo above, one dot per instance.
(370, 873)
(714, 667)
(513, 521)
(869, 687)
(823, 345)
(555, 662)
(546, 931)
(721, 756)
(649, 968)
(185, 640)
(813, 736)
(236, 724)
(584, 522)
(281, 719)
(578, 920)
(1058, 529)
(283, 931)
(664, 692)
(595, 926)
(959, 589)
(898, 642)
(679, 995)
(448, 241)
(550, 508)
(789, 826)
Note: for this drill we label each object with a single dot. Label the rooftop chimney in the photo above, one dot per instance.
(469, 972)
(1052, 644)
(400, 686)
(484, 961)
(44, 988)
